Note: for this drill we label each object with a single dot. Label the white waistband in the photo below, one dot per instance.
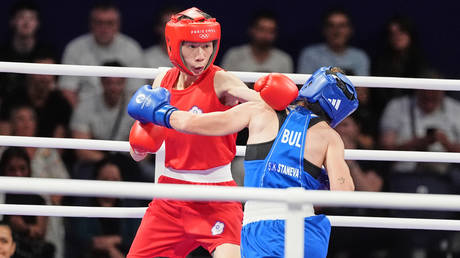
(257, 211)
(212, 175)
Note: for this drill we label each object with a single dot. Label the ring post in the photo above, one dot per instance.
(294, 229)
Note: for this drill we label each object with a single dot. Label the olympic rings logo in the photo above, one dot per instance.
(203, 36)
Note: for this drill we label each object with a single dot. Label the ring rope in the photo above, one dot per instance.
(295, 196)
(250, 77)
(123, 146)
(138, 212)
(72, 211)
(78, 70)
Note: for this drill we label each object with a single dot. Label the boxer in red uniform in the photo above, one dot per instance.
(174, 228)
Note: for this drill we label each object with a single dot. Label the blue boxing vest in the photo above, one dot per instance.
(263, 223)
(283, 166)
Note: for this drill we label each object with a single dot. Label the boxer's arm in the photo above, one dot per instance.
(337, 169)
(232, 90)
(215, 123)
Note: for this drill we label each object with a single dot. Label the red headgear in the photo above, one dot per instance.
(190, 25)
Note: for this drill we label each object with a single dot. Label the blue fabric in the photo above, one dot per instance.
(330, 90)
(266, 238)
(151, 105)
(283, 166)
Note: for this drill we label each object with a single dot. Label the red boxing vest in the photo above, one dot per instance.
(197, 152)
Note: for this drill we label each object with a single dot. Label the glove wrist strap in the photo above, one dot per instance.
(162, 115)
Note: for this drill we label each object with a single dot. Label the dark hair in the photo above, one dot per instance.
(19, 105)
(173, 9)
(43, 53)
(335, 10)
(6, 224)
(318, 110)
(9, 154)
(104, 5)
(109, 159)
(24, 5)
(406, 25)
(183, 17)
(115, 63)
(263, 14)
(414, 62)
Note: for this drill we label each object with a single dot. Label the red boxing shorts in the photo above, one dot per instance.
(172, 228)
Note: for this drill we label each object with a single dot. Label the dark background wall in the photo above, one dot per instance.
(437, 22)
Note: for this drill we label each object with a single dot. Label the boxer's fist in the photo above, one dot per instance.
(145, 138)
(277, 90)
(151, 105)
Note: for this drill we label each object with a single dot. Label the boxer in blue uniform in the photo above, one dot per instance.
(288, 147)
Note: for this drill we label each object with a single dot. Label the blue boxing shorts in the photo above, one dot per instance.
(265, 238)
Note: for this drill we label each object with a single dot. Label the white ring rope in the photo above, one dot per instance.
(151, 73)
(136, 190)
(123, 146)
(71, 211)
(78, 70)
(138, 212)
(64, 143)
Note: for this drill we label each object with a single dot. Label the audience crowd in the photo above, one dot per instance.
(95, 108)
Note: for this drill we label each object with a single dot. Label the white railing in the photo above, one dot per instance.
(294, 197)
(138, 212)
(136, 190)
(150, 73)
(123, 146)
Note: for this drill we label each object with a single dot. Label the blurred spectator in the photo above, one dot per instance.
(157, 55)
(23, 44)
(400, 56)
(103, 43)
(52, 109)
(45, 163)
(367, 119)
(102, 237)
(7, 242)
(337, 30)
(366, 177)
(103, 117)
(364, 173)
(30, 230)
(260, 54)
(425, 121)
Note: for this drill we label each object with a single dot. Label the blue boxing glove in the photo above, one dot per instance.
(151, 105)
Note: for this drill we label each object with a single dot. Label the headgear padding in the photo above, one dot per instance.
(193, 26)
(333, 91)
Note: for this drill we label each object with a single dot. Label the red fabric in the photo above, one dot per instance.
(197, 152)
(172, 228)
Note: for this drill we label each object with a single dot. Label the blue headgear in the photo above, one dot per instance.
(333, 91)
